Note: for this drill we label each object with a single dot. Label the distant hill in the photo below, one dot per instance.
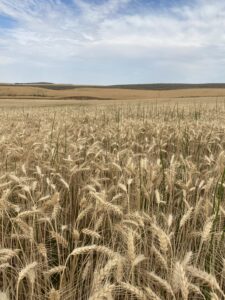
(34, 83)
(152, 86)
(168, 86)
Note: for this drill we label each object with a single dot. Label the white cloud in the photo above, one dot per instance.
(4, 60)
(94, 13)
(185, 38)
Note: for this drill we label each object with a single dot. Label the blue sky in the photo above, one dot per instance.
(112, 41)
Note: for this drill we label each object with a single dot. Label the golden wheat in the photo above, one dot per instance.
(122, 201)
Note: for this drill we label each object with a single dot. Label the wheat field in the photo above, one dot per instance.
(112, 201)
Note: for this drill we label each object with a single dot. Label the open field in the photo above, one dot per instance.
(27, 95)
(120, 200)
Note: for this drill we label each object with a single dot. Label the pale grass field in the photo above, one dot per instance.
(113, 201)
(24, 93)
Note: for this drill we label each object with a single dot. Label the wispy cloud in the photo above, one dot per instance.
(109, 41)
